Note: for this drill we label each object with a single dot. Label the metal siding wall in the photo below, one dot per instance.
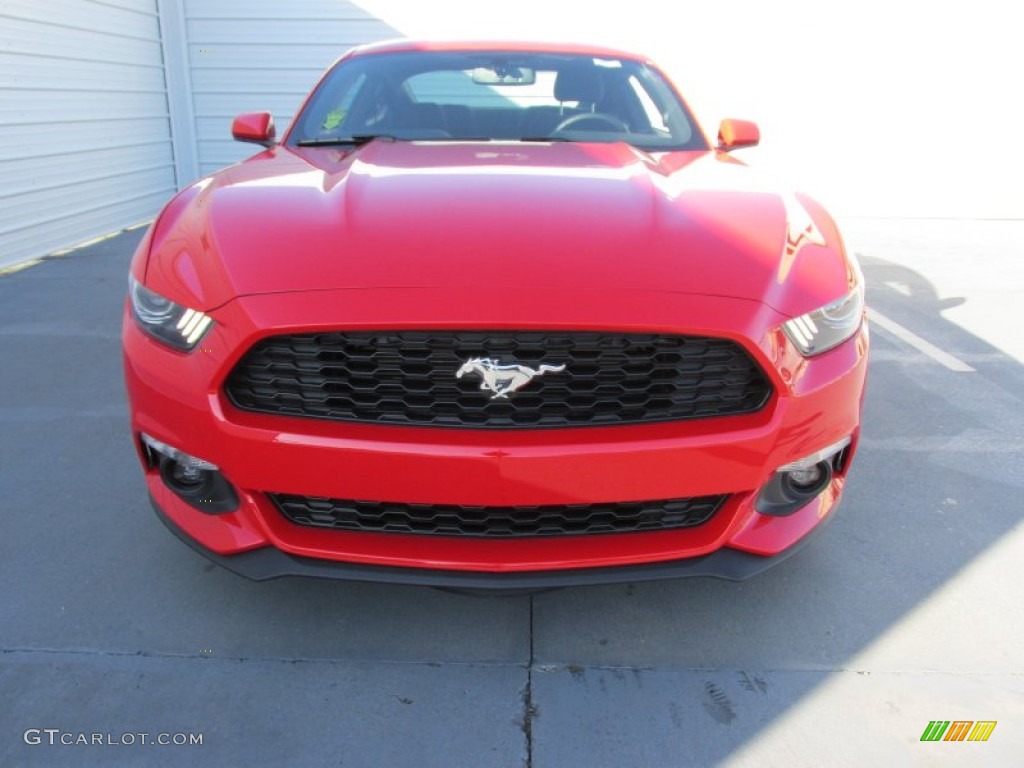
(84, 132)
(250, 56)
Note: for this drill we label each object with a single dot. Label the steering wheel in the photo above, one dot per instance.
(594, 117)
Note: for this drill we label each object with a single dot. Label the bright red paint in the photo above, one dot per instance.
(735, 134)
(581, 236)
(257, 127)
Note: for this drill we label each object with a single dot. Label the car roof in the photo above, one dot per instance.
(400, 45)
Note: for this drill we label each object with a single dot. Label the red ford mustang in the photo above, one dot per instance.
(494, 316)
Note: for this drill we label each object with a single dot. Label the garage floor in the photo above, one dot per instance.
(906, 610)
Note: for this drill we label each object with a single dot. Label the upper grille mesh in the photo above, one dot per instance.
(408, 378)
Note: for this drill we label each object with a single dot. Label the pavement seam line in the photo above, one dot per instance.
(529, 710)
(265, 659)
(530, 666)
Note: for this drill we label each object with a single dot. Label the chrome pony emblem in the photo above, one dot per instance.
(500, 379)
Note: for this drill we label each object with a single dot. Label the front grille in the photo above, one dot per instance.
(497, 522)
(409, 378)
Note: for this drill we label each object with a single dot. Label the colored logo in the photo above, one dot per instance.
(958, 730)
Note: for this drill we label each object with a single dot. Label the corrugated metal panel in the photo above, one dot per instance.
(246, 56)
(84, 131)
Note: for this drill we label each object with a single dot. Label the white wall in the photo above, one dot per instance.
(84, 137)
(247, 56)
(107, 107)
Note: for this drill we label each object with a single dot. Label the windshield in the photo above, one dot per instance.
(495, 95)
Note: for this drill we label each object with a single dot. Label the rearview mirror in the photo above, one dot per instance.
(257, 127)
(734, 134)
(504, 74)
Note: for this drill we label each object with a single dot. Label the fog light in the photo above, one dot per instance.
(806, 478)
(795, 484)
(197, 482)
(187, 474)
(808, 462)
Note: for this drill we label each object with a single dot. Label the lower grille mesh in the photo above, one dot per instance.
(497, 522)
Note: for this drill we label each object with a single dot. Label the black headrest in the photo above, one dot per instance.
(579, 83)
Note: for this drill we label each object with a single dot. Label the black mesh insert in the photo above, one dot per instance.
(409, 378)
(497, 522)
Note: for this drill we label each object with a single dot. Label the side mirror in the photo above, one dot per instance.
(734, 134)
(257, 127)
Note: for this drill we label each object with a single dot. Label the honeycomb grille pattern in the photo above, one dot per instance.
(409, 378)
(497, 522)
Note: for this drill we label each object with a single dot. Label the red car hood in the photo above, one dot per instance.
(488, 215)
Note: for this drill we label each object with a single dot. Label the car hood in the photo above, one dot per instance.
(497, 216)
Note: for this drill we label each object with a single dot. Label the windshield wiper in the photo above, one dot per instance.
(341, 141)
(547, 138)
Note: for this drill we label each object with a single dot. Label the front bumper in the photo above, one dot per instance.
(177, 398)
(270, 563)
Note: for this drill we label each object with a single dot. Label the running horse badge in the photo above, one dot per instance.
(503, 380)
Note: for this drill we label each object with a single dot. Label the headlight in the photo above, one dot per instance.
(824, 328)
(161, 318)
